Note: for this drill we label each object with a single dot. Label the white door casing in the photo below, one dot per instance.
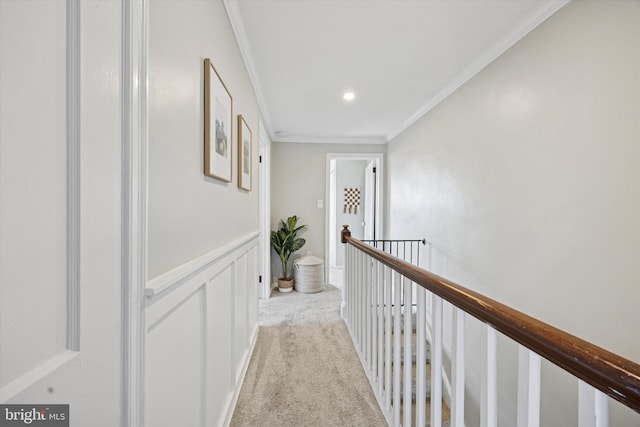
(370, 230)
(135, 124)
(331, 194)
(264, 150)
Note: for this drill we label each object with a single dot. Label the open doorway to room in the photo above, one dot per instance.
(354, 197)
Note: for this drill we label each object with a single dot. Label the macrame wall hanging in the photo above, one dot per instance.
(351, 200)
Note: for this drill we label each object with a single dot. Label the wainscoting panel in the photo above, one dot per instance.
(219, 341)
(201, 326)
(240, 317)
(253, 291)
(174, 366)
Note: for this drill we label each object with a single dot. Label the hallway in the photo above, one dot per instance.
(131, 272)
(304, 370)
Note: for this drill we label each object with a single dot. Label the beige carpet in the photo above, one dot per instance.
(304, 370)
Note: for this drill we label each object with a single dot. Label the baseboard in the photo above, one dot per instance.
(245, 367)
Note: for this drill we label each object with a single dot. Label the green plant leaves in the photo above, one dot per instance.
(297, 244)
(284, 241)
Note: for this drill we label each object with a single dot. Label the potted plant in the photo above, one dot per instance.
(285, 242)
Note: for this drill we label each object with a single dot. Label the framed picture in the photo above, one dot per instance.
(244, 154)
(218, 113)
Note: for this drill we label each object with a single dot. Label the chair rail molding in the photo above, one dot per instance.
(202, 317)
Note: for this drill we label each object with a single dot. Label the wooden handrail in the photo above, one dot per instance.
(617, 377)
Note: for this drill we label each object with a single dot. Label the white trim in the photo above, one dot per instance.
(73, 175)
(38, 373)
(593, 406)
(529, 373)
(379, 158)
(264, 150)
(135, 30)
(170, 278)
(455, 390)
(436, 360)
(245, 367)
(226, 268)
(206, 353)
(489, 56)
(237, 24)
(373, 140)
(194, 275)
(489, 379)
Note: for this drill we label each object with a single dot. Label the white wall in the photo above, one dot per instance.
(201, 307)
(298, 181)
(190, 214)
(525, 180)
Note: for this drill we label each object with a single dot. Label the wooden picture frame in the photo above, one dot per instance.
(218, 126)
(244, 154)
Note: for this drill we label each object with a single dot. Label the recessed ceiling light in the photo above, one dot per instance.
(349, 96)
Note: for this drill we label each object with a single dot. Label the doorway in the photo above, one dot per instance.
(354, 195)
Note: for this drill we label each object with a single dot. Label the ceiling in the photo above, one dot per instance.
(399, 57)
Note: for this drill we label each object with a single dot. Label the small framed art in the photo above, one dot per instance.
(218, 113)
(244, 154)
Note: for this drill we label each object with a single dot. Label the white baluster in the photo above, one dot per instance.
(387, 337)
(397, 290)
(457, 370)
(408, 374)
(346, 284)
(528, 388)
(436, 362)
(489, 391)
(367, 313)
(374, 320)
(380, 323)
(345, 287)
(351, 291)
(360, 299)
(421, 356)
(593, 406)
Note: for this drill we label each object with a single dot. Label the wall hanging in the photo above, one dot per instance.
(218, 106)
(351, 200)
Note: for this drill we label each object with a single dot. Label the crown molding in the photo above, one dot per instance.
(488, 57)
(373, 140)
(237, 24)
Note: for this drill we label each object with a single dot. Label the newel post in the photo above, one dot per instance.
(345, 234)
(345, 312)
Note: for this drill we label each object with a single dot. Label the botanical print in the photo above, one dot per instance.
(221, 133)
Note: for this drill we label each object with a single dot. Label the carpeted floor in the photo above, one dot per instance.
(304, 370)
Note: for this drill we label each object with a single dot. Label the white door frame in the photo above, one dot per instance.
(135, 119)
(378, 158)
(370, 202)
(265, 211)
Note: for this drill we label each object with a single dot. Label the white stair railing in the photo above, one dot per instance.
(391, 323)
